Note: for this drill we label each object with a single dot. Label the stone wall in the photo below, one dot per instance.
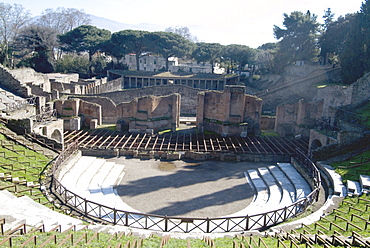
(30, 76)
(334, 96)
(294, 119)
(295, 89)
(108, 107)
(10, 82)
(103, 86)
(231, 112)
(52, 130)
(318, 139)
(150, 112)
(267, 122)
(72, 108)
(189, 95)
(361, 90)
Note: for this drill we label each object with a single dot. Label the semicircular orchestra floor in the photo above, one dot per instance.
(189, 189)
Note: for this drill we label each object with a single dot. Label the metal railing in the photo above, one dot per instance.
(47, 114)
(178, 224)
(20, 104)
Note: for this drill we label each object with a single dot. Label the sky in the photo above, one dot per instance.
(227, 22)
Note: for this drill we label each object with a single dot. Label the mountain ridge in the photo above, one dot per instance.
(114, 26)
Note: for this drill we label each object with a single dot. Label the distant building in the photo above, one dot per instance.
(153, 63)
(139, 79)
(148, 62)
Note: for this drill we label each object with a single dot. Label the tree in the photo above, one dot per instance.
(328, 18)
(131, 41)
(352, 56)
(183, 31)
(12, 19)
(169, 45)
(115, 51)
(265, 57)
(71, 63)
(207, 52)
(334, 37)
(241, 54)
(365, 24)
(63, 20)
(39, 42)
(355, 57)
(298, 40)
(85, 38)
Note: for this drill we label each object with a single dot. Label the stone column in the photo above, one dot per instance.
(200, 112)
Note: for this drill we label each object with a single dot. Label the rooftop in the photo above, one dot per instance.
(170, 74)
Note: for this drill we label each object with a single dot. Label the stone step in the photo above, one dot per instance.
(84, 180)
(354, 188)
(67, 165)
(288, 189)
(260, 187)
(25, 210)
(302, 187)
(365, 183)
(275, 193)
(339, 188)
(70, 179)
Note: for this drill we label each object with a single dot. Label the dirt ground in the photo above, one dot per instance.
(185, 188)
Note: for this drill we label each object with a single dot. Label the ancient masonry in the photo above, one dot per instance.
(231, 112)
(149, 114)
(149, 102)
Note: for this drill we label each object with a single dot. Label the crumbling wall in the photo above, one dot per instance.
(189, 95)
(102, 86)
(296, 88)
(52, 130)
(12, 83)
(30, 76)
(361, 92)
(150, 112)
(294, 119)
(334, 96)
(108, 107)
(267, 122)
(77, 108)
(231, 112)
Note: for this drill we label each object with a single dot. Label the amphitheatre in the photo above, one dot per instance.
(178, 155)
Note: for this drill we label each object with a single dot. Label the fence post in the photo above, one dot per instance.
(246, 223)
(126, 219)
(85, 206)
(115, 216)
(166, 223)
(207, 231)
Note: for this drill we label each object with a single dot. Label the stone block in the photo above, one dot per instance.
(134, 130)
(173, 156)
(93, 123)
(75, 123)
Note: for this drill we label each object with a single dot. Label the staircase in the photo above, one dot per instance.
(94, 179)
(17, 211)
(275, 187)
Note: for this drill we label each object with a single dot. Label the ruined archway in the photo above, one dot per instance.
(315, 144)
(57, 135)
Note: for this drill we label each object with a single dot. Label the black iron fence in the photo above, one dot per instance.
(184, 225)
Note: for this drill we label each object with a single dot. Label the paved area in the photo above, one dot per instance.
(188, 189)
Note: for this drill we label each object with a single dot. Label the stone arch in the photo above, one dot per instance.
(315, 144)
(57, 135)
